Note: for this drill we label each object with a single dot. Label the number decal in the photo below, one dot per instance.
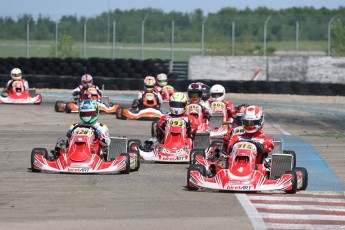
(176, 122)
(86, 132)
(218, 105)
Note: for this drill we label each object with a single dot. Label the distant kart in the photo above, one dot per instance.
(18, 95)
(147, 110)
(73, 107)
(218, 120)
(239, 171)
(85, 155)
(166, 92)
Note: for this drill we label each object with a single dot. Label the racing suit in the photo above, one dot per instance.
(138, 104)
(230, 108)
(264, 144)
(191, 122)
(101, 134)
(205, 108)
(82, 91)
(10, 82)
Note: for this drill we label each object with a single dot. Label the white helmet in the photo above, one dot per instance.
(162, 79)
(178, 103)
(86, 80)
(253, 119)
(217, 92)
(16, 74)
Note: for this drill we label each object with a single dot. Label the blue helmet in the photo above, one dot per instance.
(88, 111)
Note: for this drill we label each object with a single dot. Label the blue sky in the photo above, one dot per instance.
(57, 8)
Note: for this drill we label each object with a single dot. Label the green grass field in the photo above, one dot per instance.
(181, 51)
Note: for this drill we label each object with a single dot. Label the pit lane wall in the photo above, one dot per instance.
(276, 75)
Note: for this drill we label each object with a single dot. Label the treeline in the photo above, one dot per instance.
(249, 24)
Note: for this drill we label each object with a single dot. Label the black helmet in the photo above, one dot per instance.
(205, 92)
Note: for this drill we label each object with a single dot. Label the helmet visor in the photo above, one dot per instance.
(177, 104)
(86, 81)
(88, 113)
(16, 75)
(216, 95)
(162, 82)
(251, 122)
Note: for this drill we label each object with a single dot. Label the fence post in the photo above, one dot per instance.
(142, 36)
(265, 34)
(85, 37)
(27, 37)
(297, 36)
(114, 38)
(171, 66)
(56, 38)
(329, 35)
(203, 35)
(233, 39)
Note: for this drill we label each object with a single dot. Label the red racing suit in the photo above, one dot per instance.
(191, 121)
(230, 108)
(266, 143)
(10, 82)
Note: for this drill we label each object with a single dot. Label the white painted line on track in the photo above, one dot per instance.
(251, 211)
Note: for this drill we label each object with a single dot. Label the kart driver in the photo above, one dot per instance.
(88, 113)
(86, 83)
(161, 80)
(177, 103)
(218, 94)
(149, 84)
(195, 92)
(16, 75)
(253, 121)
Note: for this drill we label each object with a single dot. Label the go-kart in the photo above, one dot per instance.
(84, 154)
(104, 105)
(195, 110)
(18, 95)
(147, 109)
(218, 120)
(176, 146)
(240, 171)
(166, 92)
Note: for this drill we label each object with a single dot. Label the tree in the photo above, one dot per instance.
(64, 48)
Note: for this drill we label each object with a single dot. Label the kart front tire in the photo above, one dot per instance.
(68, 107)
(293, 154)
(293, 182)
(128, 163)
(304, 173)
(41, 151)
(201, 169)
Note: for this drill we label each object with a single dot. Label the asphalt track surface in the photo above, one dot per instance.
(155, 197)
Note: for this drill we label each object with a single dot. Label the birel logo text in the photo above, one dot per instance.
(173, 158)
(238, 187)
(78, 170)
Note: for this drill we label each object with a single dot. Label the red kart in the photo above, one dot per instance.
(239, 171)
(218, 120)
(18, 95)
(166, 92)
(84, 155)
(176, 147)
(196, 110)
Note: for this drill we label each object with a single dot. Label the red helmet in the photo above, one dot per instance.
(253, 119)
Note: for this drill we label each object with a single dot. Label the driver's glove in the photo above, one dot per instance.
(259, 147)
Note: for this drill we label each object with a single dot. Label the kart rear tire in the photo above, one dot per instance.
(119, 114)
(293, 181)
(201, 169)
(68, 108)
(293, 153)
(154, 128)
(41, 151)
(138, 159)
(133, 143)
(59, 106)
(197, 152)
(304, 173)
(128, 163)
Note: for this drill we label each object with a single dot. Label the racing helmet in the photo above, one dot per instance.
(88, 111)
(239, 111)
(16, 74)
(149, 83)
(162, 79)
(194, 91)
(205, 92)
(178, 103)
(253, 119)
(217, 92)
(86, 80)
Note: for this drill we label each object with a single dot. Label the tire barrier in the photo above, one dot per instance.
(122, 74)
